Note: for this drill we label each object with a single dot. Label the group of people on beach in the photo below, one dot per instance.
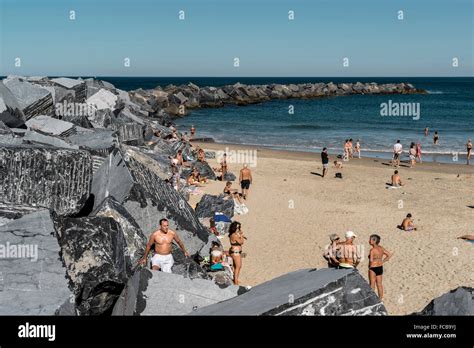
(163, 238)
(346, 255)
(349, 149)
(414, 153)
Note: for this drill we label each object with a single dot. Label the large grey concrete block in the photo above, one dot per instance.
(133, 180)
(158, 293)
(58, 179)
(93, 250)
(50, 125)
(32, 99)
(134, 238)
(29, 286)
(305, 292)
(459, 301)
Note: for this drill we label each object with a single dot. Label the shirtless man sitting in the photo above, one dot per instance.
(348, 255)
(407, 224)
(163, 239)
(396, 180)
(245, 179)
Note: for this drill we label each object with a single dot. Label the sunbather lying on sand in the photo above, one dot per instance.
(468, 237)
(194, 178)
(228, 190)
(407, 224)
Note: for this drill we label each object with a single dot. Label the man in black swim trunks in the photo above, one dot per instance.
(376, 261)
(245, 179)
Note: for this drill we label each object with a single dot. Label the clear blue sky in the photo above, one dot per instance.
(258, 32)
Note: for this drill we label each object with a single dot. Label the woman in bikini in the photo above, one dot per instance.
(236, 237)
(376, 261)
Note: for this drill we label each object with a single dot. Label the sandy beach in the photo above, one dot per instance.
(293, 210)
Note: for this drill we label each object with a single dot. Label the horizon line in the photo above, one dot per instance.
(235, 77)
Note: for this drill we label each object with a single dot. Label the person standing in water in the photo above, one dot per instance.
(376, 261)
(418, 152)
(436, 138)
(357, 147)
(426, 131)
(469, 150)
(193, 130)
(412, 154)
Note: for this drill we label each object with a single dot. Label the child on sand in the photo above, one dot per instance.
(357, 148)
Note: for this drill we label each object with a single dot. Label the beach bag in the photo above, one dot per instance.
(338, 175)
(217, 267)
(222, 227)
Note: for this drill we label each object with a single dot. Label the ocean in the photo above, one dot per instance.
(327, 122)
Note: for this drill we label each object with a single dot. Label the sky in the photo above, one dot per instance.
(150, 34)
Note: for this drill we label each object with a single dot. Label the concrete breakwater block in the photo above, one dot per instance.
(58, 179)
(32, 99)
(94, 251)
(305, 292)
(134, 181)
(50, 125)
(158, 293)
(32, 276)
(459, 301)
(209, 204)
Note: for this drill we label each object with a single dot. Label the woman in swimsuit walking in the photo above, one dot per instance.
(376, 261)
(236, 237)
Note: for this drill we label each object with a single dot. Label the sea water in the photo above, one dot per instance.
(448, 107)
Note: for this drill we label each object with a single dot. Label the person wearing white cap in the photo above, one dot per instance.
(349, 255)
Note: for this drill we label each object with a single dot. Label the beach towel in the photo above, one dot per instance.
(240, 209)
(221, 217)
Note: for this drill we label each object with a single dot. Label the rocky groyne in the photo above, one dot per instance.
(180, 100)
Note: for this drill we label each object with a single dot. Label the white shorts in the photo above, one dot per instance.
(165, 262)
